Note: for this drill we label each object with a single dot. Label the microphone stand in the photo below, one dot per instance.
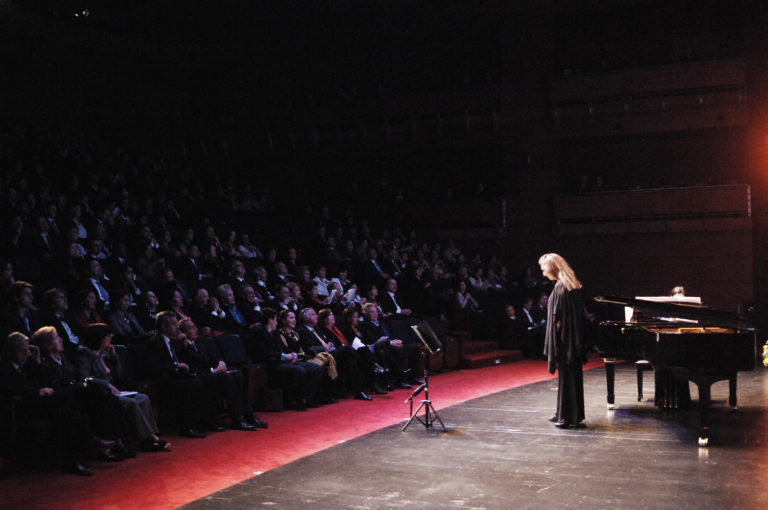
(430, 415)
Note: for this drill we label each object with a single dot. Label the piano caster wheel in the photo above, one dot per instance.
(703, 441)
(611, 407)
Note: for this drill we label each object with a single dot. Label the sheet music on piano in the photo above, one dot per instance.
(629, 311)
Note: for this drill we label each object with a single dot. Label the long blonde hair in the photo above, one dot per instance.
(561, 270)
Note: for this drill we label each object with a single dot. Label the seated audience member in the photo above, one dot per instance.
(175, 303)
(87, 312)
(247, 249)
(180, 392)
(19, 365)
(363, 358)
(238, 275)
(220, 381)
(124, 323)
(345, 357)
(130, 283)
(283, 299)
(532, 339)
(279, 275)
(207, 313)
(56, 314)
(98, 361)
(392, 303)
(22, 314)
(168, 285)
(297, 297)
(290, 345)
(235, 320)
(401, 357)
(322, 281)
(147, 310)
(284, 367)
(373, 271)
(98, 282)
(260, 283)
(249, 302)
(105, 415)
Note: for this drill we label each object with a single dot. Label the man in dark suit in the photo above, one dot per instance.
(22, 315)
(401, 357)
(220, 382)
(392, 303)
(96, 280)
(56, 314)
(180, 392)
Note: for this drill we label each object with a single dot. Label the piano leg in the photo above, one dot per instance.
(705, 402)
(641, 366)
(610, 377)
(732, 391)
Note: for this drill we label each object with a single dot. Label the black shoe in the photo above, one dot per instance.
(378, 390)
(404, 386)
(110, 457)
(75, 468)
(579, 426)
(121, 449)
(257, 422)
(243, 426)
(553, 419)
(362, 396)
(192, 433)
(214, 428)
(563, 424)
(414, 381)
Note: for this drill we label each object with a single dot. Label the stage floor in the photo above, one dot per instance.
(500, 452)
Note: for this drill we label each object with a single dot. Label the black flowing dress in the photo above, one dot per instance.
(565, 350)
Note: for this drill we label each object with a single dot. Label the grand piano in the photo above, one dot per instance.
(681, 342)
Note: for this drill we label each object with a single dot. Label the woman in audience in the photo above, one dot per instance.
(176, 305)
(87, 312)
(124, 324)
(98, 360)
(288, 340)
(363, 358)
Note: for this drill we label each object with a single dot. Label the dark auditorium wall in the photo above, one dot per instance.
(467, 94)
(718, 261)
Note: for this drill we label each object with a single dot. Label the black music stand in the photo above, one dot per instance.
(432, 343)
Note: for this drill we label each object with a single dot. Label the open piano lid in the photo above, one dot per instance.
(689, 311)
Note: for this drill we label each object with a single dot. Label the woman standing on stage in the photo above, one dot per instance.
(564, 340)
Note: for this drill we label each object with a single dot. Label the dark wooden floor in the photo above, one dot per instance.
(500, 452)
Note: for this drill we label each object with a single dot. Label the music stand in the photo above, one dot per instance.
(425, 334)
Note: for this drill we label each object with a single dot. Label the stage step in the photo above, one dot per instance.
(489, 358)
(477, 346)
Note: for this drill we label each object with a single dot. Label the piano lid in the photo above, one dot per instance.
(703, 315)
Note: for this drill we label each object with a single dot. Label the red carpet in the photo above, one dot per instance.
(198, 467)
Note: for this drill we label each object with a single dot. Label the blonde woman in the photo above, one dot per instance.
(564, 340)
